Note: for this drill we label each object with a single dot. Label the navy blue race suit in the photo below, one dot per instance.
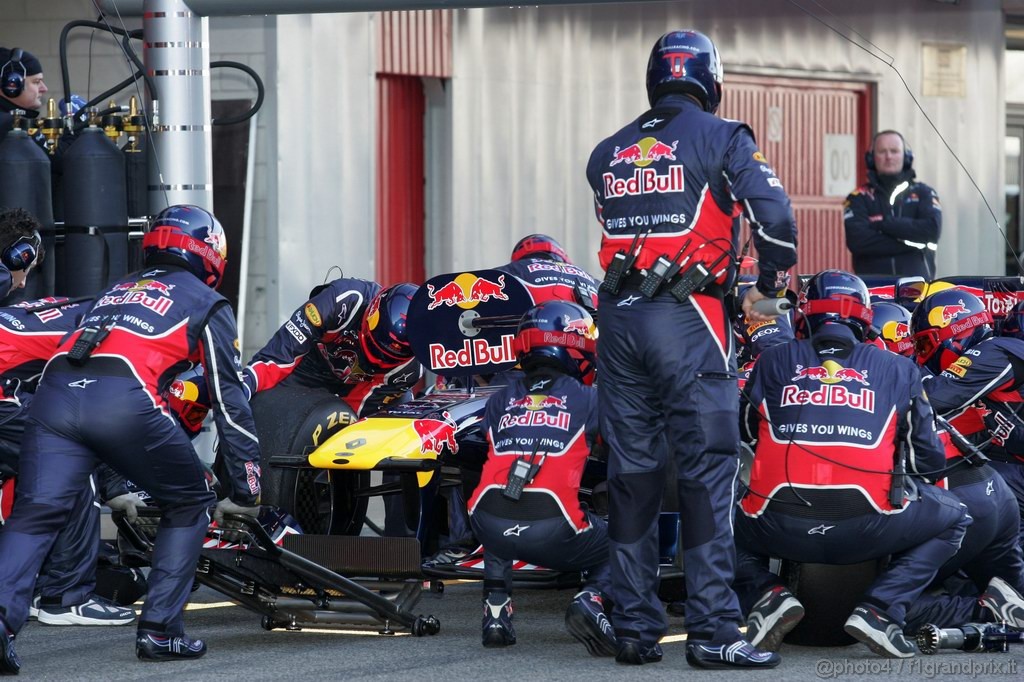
(667, 390)
(548, 280)
(27, 340)
(833, 413)
(893, 226)
(989, 376)
(111, 409)
(554, 416)
(319, 346)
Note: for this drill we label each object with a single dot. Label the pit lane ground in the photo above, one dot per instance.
(240, 650)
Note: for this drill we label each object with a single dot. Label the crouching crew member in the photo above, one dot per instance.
(101, 400)
(843, 425)
(540, 428)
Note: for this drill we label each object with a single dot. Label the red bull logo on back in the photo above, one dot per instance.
(644, 152)
(465, 291)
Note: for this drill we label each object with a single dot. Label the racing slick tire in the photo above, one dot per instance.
(294, 421)
(829, 593)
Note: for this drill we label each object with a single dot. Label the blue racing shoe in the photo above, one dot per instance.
(9, 662)
(586, 621)
(738, 654)
(150, 646)
(497, 625)
(634, 652)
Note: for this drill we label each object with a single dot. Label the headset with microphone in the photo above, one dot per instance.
(22, 253)
(12, 83)
(908, 155)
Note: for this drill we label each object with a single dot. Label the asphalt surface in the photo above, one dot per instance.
(240, 649)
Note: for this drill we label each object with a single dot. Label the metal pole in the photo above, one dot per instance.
(176, 53)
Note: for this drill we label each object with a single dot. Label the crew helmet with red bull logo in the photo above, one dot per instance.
(945, 325)
(892, 323)
(834, 297)
(188, 236)
(383, 333)
(561, 335)
(685, 61)
(539, 246)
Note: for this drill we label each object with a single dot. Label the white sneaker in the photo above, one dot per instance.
(1004, 603)
(33, 610)
(95, 611)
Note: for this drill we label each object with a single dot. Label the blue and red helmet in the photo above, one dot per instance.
(561, 335)
(189, 236)
(892, 322)
(685, 61)
(834, 297)
(539, 246)
(383, 334)
(946, 324)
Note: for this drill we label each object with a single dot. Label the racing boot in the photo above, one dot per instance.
(881, 634)
(736, 654)
(497, 625)
(9, 662)
(1003, 602)
(156, 646)
(634, 652)
(94, 611)
(772, 617)
(586, 621)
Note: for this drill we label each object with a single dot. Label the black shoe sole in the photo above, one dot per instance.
(585, 631)
(162, 658)
(494, 640)
(782, 627)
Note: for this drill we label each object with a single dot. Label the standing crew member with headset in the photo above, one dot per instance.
(669, 189)
(893, 222)
(21, 86)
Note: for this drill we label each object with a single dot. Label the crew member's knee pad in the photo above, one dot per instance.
(635, 500)
(36, 518)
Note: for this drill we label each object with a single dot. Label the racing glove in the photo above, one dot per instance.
(232, 531)
(128, 504)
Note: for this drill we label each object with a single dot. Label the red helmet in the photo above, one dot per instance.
(539, 246)
(383, 333)
(189, 236)
(946, 324)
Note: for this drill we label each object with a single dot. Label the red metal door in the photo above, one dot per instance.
(400, 205)
(790, 118)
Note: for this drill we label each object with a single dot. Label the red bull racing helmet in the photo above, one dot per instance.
(383, 332)
(892, 323)
(190, 236)
(946, 324)
(558, 334)
(834, 297)
(189, 399)
(685, 61)
(539, 246)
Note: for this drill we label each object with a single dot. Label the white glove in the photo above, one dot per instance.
(128, 504)
(226, 506)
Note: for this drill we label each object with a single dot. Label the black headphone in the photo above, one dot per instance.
(13, 83)
(908, 155)
(22, 253)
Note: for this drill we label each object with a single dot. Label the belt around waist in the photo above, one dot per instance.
(635, 279)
